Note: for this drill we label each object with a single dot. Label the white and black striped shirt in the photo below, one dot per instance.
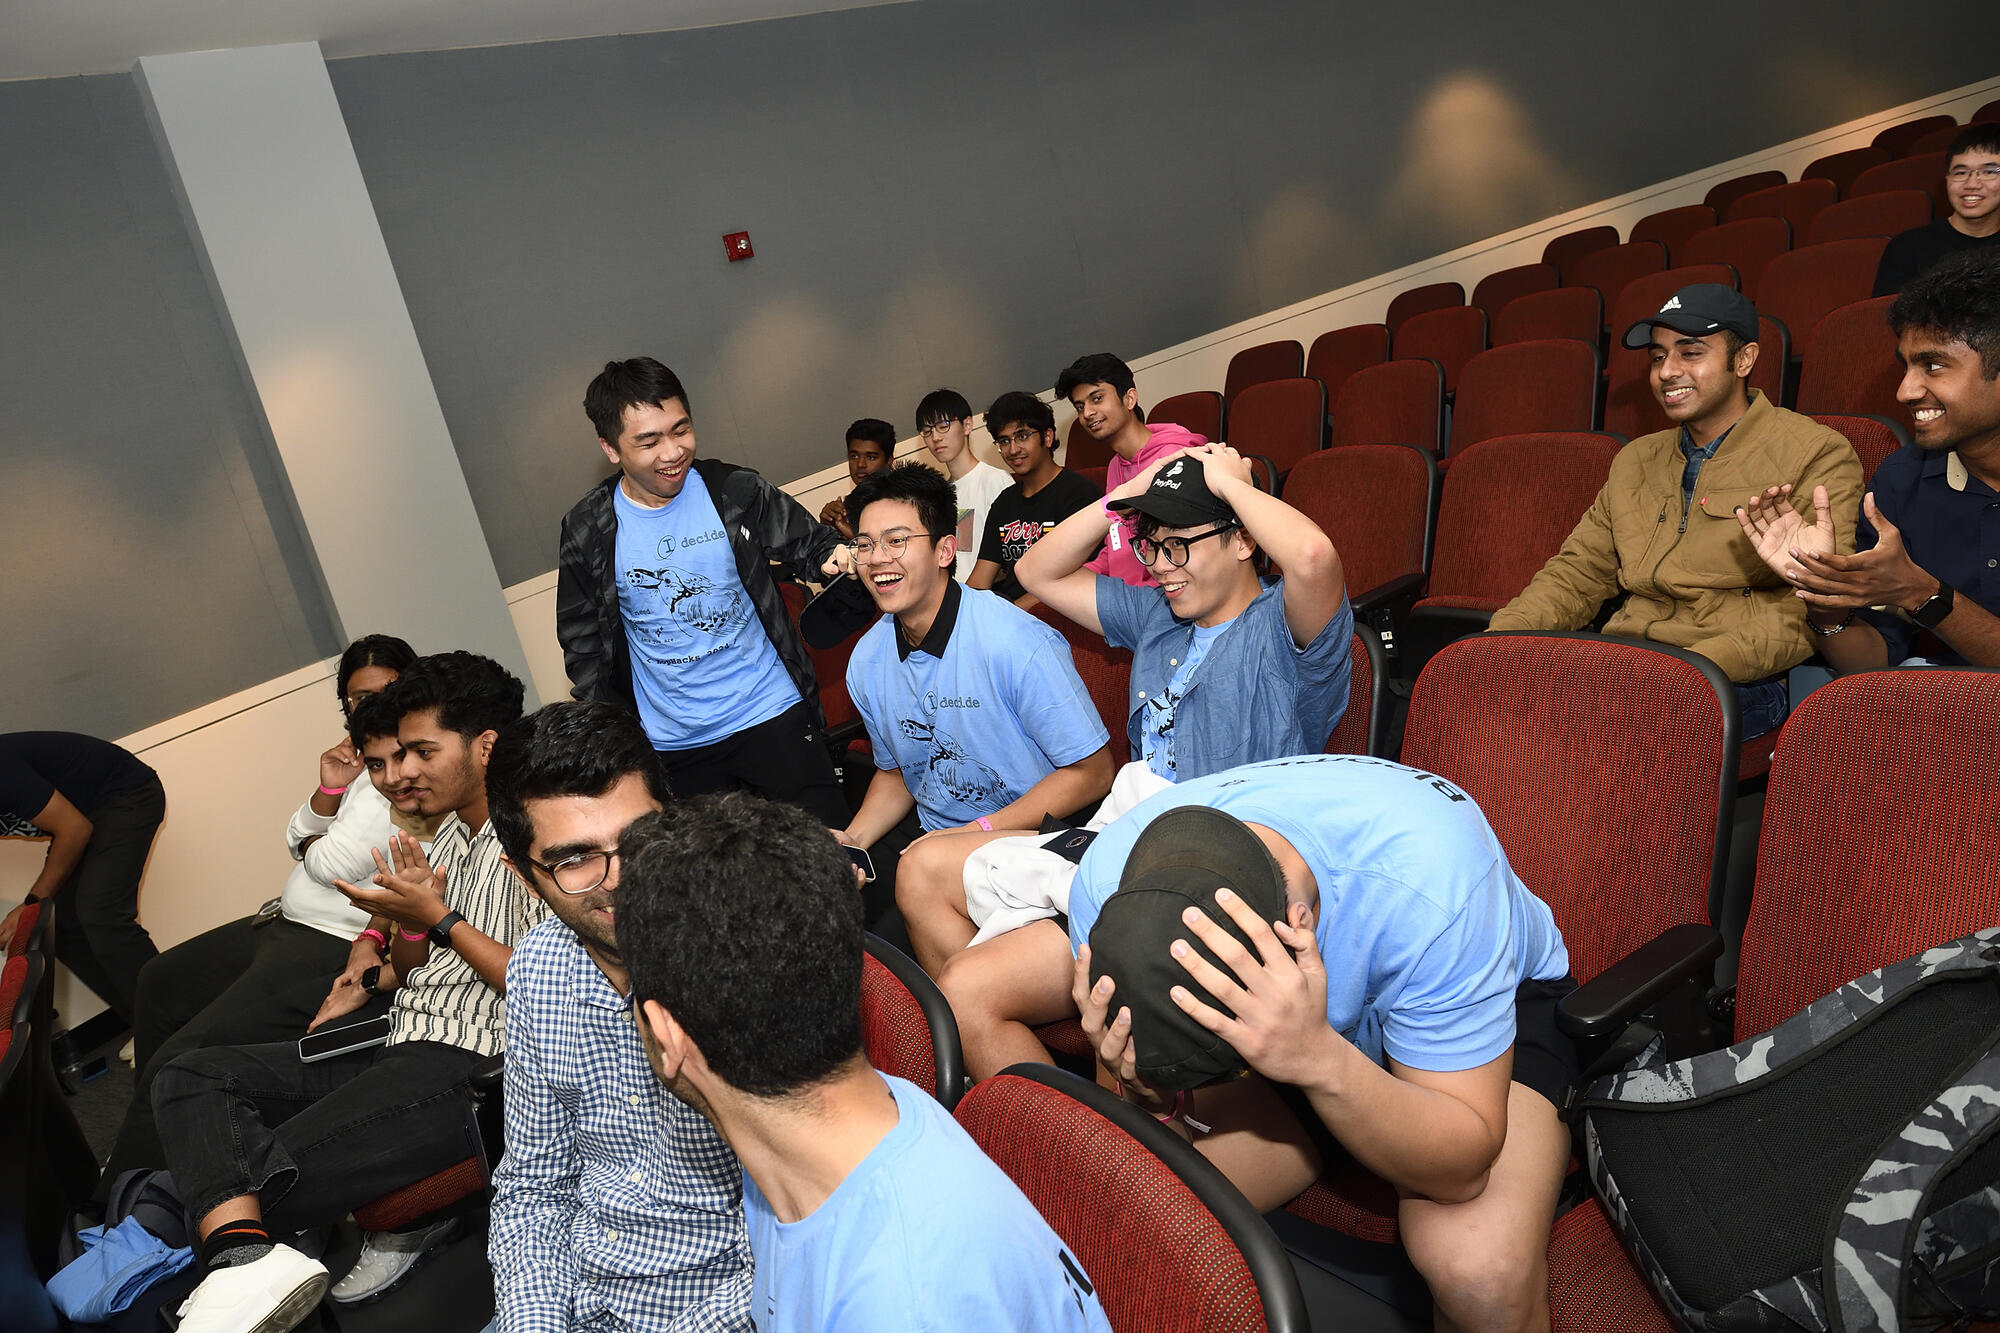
(446, 999)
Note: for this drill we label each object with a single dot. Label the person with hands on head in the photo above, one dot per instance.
(1927, 546)
(975, 714)
(263, 1142)
(1226, 670)
(1330, 954)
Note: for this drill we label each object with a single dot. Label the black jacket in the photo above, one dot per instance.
(764, 524)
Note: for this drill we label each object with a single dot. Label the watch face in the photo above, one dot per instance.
(1932, 613)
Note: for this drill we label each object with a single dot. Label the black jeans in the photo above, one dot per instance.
(237, 985)
(784, 758)
(312, 1141)
(98, 935)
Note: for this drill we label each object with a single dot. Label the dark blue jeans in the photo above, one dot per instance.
(1765, 704)
(312, 1141)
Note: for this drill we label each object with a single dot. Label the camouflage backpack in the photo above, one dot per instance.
(1839, 1173)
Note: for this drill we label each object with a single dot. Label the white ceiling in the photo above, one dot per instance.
(48, 38)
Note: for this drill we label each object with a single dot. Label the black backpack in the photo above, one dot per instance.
(1838, 1174)
(150, 1196)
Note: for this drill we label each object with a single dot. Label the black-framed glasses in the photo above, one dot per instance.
(937, 429)
(1023, 438)
(1175, 549)
(579, 873)
(892, 546)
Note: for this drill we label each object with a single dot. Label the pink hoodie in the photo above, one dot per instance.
(1116, 559)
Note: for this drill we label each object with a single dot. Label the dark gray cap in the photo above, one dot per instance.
(1702, 309)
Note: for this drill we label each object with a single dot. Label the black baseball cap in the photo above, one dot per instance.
(1179, 497)
(1178, 862)
(1701, 309)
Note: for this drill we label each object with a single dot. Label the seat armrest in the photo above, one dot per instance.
(488, 1075)
(1404, 587)
(1632, 985)
(838, 736)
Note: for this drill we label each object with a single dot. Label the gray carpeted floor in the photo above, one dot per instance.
(100, 1103)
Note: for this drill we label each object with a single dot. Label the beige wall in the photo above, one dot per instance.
(235, 770)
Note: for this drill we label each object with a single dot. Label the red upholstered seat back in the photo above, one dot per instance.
(1672, 227)
(1199, 412)
(1496, 289)
(1373, 501)
(894, 1031)
(1081, 449)
(1351, 733)
(1610, 270)
(1854, 366)
(424, 1198)
(24, 929)
(1898, 139)
(1282, 420)
(1158, 1257)
(1106, 672)
(1724, 193)
(1546, 385)
(1562, 252)
(1418, 300)
(1266, 361)
(1878, 834)
(1566, 312)
(1450, 336)
(1599, 764)
(1925, 172)
(1508, 505)
(1398, 401)
(1884, 213)
(1796, 202)
(13, 981)
(1873, 438)
(829, 664)
(1338, 353)
(1748, 247)
(1802, 286)
(1841, 168)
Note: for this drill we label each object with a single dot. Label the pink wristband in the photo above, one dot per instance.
(984, 823)
(381, 940)
(325, 790)
(1173, 1112)
(420, 935)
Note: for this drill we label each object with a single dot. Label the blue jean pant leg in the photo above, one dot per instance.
(1765, 705)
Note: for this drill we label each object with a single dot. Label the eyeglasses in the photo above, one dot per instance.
(1987, 173)
(892, 546)
(936, 430)
(580, 873)
(1175, 549)
(1024, 438)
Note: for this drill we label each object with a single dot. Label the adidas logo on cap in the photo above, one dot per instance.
(1673, 303)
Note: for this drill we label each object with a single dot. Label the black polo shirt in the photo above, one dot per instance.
(1950, 521)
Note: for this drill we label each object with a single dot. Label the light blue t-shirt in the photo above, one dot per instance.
(1425, 929)
(702, 666)
(1156, 720)
(989, 705)
(927, 1233)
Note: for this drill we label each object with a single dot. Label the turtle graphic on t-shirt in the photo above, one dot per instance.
(693, 599)
(964, 777)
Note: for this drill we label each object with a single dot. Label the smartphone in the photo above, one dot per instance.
(329, 1042)
(862, 862)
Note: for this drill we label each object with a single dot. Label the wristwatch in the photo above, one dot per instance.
(1932, 613)
(369, 977)
(441, 933)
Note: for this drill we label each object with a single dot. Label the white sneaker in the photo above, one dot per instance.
(272, 1295)
(128, 1050)
(386, 1258)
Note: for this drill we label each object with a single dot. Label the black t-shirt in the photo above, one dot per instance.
(34, 765)
(1017, 521)
(1910, 255)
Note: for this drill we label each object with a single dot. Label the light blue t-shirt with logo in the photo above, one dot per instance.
(926, 1233)
(1156, 722)
(973, 729)
(702, 666)
(1425, 929)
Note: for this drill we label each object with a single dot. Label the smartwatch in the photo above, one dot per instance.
(1932, 613)
(441, 933)
(369, 978)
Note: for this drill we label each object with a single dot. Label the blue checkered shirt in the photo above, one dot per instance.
(616, 1206)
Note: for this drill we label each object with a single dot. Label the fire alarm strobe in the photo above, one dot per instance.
(737, 245)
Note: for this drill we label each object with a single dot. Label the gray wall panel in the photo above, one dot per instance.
(974, 192)
(152, 560)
